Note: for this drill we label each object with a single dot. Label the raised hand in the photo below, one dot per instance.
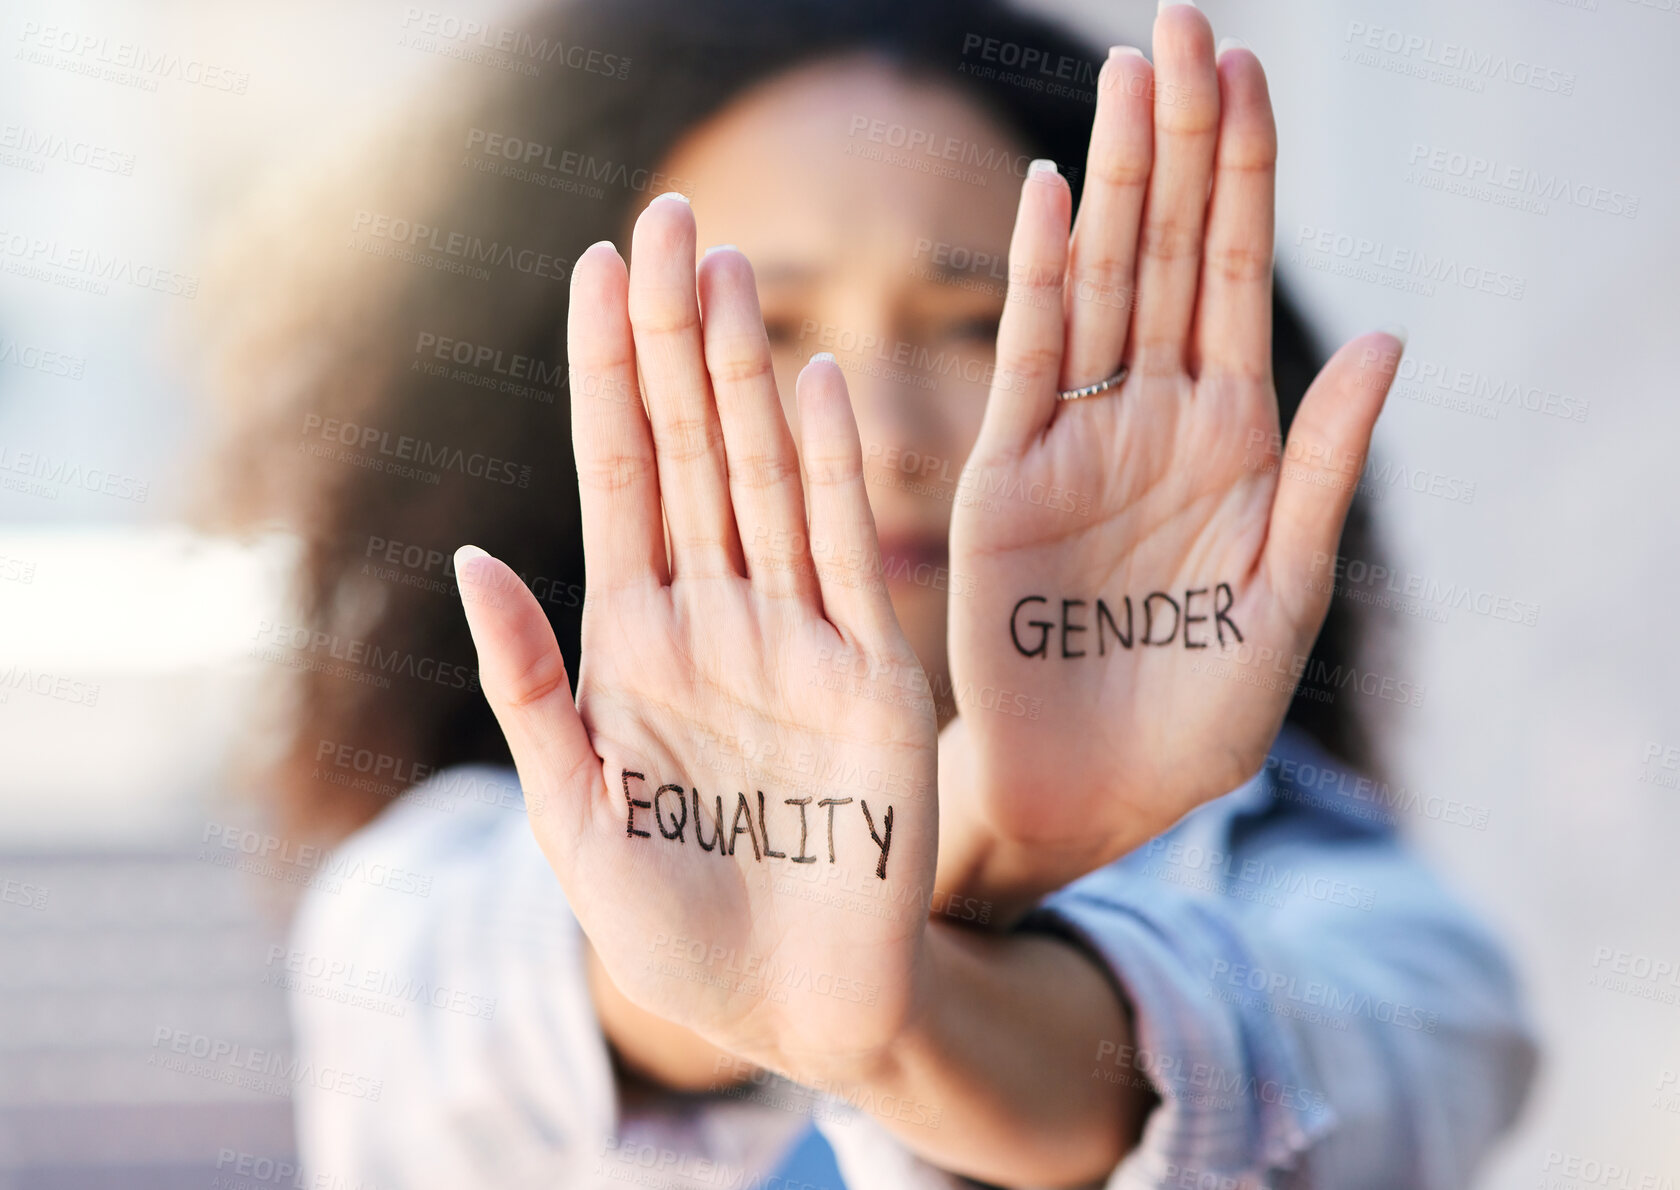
(1161, 608)
(747, 707)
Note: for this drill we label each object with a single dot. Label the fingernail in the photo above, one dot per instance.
(1121, 51)
(1041, 165)
(1231, 43)
(720, 248)
(1397, 330)
(465, 555)
(821, 357)
(1166, 4)
(676, 194)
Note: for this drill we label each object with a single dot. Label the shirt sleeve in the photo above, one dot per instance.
(1311, 1007)
(435, 958)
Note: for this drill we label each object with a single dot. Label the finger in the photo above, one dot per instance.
(1234, 317)
(1029, 345)
(687, 439)
(762, 463)
(618, 482)
(845, 550)
(1103, 257)
(1322, 464)
(1186, 129)
(524, 680)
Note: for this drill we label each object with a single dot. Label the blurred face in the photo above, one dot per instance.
(870, 252)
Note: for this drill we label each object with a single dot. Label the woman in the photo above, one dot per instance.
(1153, 1018)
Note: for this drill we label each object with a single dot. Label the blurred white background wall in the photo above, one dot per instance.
(1501, 177)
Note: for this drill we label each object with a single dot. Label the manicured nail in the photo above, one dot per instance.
(676, 194)
(1166, 4)
(1041, 165)
(720, 248)
(1121, 51)
(1397, 330)
(821, 357)
(1231, 43)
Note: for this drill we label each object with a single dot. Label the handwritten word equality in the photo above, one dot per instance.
(669, 808)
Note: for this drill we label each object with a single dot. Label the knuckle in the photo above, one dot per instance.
(613, 472)
(687, 439)
(832, 469)
(663, 312)
(539, 678)
(1033, 360)
(1250, 152)
(761, 470)
(738, 363)
(1240, 264)
(1123, 167)
(1172, 238)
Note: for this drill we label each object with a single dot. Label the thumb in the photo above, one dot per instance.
(524, 679)
(1322, 464)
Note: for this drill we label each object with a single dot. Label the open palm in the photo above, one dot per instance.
(748, 711)
(1157, 602)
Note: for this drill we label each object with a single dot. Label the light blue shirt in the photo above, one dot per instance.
(1310, 1006)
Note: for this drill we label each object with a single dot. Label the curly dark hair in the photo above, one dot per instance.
(347, 367)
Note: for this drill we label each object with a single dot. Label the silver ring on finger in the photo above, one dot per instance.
(1097, 389)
